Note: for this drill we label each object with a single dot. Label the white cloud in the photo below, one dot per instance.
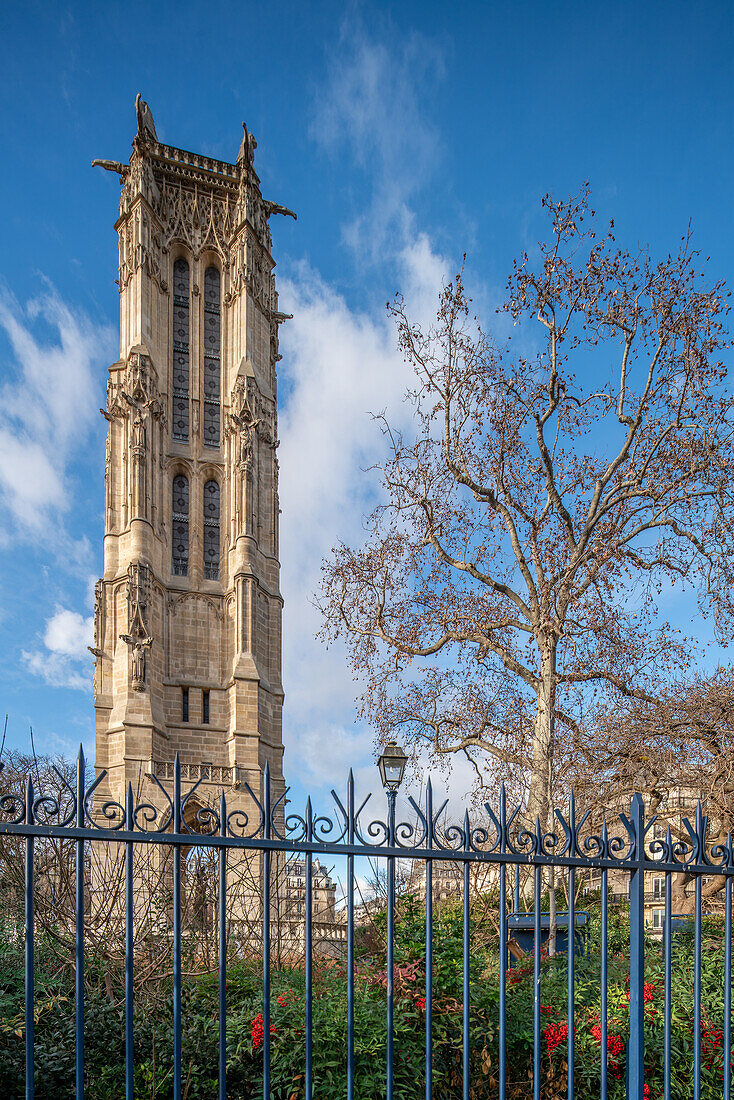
(371, 106)
(340, 365)
(326, 753)
(65, 660)
(47, 406)
(69, 633)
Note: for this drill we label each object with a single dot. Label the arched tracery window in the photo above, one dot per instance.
(181, 309)
(211, 530)
(212, 356)
(180, 526)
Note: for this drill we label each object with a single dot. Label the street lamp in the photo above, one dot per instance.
(392, 763)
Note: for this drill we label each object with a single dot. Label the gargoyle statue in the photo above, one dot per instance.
(275, 208)
(113, 166)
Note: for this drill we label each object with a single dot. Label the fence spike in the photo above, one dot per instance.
(30, 796)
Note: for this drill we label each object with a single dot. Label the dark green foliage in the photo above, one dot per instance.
(104, 1023)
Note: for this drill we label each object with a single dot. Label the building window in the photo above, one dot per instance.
(180, 526)
(658, 916)
(212, 356)
(181, 310)
(658, 887)
(211, 530)
(184, 704)
(205, 707)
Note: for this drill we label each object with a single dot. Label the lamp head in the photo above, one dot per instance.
(391, 762)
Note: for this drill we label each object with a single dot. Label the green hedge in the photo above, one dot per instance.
(154, 1035)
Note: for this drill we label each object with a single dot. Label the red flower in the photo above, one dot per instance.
(258, 1031)
(420, 1003)
(546, 1010)
(615, 1043)
(555, 1034)
(648, 992)
(712, 1039)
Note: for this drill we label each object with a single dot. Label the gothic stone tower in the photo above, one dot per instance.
(188, 612)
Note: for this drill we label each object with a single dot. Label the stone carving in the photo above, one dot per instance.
(250, 414)
(112, 166)
(146, 126)
(275, 208)
(98, 610)
(138, 647)
(132, 399)
(139, 433)
(248, 145)
(253, 269)
(138, 638)
(140, 247)
(138, 597)
(200, 219)
(265, 419)
(243, 424)
(137, 390)
(141, 383)
(107, 469)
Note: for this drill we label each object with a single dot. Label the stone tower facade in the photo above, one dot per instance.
(188, 612)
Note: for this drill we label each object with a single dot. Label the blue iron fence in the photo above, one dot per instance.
(498, 838)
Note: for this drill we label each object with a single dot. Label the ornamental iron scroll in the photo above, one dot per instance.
(264, 818)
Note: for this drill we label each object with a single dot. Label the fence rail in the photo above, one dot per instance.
(497, 837)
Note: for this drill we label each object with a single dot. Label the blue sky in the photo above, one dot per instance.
(403, 136)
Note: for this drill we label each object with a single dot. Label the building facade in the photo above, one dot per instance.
(188, 612)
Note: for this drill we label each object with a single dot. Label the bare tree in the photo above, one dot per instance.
(510, 578)
(104, 889)
(675, 752)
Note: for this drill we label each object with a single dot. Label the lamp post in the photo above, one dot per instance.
(391, 763)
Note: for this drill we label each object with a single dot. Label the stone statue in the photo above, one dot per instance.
(139, 432)
(138, 646)
(245, 455)
(146, 126)
(248, 145)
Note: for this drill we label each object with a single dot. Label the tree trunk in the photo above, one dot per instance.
(540, 798)
(681, 904)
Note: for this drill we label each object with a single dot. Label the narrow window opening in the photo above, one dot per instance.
(211, 531)
(180, 526)
(181, 310)
(212, 356)
(184, 704)
(205, 707)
